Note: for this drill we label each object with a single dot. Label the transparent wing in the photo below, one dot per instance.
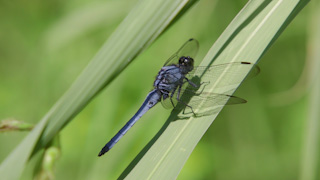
(192, 97)
(228, 69)
(206, 103)
(201, 104)
(208, 99)
(189, 48)
(232, 72)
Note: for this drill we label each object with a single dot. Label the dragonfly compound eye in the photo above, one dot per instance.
(186, 64)
(186, 61)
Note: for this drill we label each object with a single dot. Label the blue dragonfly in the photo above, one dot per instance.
(178, 83)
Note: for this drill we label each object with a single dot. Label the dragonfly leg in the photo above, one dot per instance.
(171, 96)
(205, 84)
(178, 99)
(164, 95)
(198, 86)
(191, 83)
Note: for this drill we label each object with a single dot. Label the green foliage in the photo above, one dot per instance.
(135, 33)
(14, 125)
(42, 55)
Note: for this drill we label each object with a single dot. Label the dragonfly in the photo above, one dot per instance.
(179, 84)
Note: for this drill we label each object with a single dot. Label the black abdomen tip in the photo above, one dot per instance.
(103, 151)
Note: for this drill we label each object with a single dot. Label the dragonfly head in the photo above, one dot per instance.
(186, 64)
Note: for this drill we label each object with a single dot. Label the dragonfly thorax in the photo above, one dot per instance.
(186, 64)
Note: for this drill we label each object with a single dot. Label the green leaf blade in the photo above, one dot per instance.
(132, 36)
(246, 39)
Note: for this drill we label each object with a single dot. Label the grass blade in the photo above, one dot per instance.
(246, 39)
(146, 21)
(310, 150)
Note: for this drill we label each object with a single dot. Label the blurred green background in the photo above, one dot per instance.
(46, 44)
